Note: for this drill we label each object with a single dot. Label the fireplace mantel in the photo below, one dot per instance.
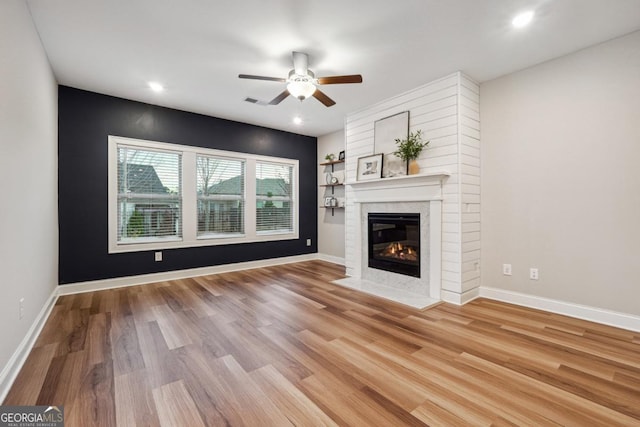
(403, 179)
(406, 188)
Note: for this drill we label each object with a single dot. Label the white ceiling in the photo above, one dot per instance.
(197, 48)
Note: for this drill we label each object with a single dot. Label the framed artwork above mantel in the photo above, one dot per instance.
(386, 131)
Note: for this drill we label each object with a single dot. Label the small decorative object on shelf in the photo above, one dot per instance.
(330, 157)
(332, 179)
(409, 149)
(341, 155)
(328, 178)
(329, 201)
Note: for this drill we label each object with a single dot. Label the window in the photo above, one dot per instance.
(168, 196)
(273, 198)
(220, 184)
(149, 203)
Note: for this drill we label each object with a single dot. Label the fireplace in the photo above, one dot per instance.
(394, 242)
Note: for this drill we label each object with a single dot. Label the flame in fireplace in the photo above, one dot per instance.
(397, 250)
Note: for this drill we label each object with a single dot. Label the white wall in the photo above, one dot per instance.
(330, 227)
(561, 178)
(29, 177)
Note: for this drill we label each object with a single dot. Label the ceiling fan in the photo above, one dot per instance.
(302, 82)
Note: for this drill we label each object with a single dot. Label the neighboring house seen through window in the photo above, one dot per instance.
(220, 196)
(166, 195)
(273, 197)
(149, 201)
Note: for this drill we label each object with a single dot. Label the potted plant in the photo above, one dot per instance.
(409, 149)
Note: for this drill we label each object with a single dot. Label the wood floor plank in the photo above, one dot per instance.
(435, 416)
(283, 345)
(244, 389)
(160, 363)
(334, 401)
(134, 400)
(94, 403)
(98, 336)
(69, 370)
(294, 404)
(174, 330)
(175, 406)
(31, 378)
(209, 392)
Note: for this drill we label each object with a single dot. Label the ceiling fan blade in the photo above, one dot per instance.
(320, 96)
(354, 78)
(300, 63)
(278, 99)
(272, 79)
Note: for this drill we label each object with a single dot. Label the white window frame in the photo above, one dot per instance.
(275, 199)
(189, 215)
(213, 235)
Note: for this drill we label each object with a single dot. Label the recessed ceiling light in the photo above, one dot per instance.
(523, 19)
(297, 120)
(156, 87)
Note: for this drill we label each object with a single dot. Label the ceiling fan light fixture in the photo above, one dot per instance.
(301, 89)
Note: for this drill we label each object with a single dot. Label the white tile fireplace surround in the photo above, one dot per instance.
(406, 194)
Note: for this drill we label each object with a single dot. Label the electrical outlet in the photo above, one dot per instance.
(533, 274)
(308, 242)
(21, 308)
(506, 269)
(158, 256)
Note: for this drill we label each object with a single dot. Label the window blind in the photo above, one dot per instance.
(220, 187)
(274, 212)
(149, 195)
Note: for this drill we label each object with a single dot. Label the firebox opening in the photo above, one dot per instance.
(394, 242)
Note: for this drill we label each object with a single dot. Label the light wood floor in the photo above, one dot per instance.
(283, 346)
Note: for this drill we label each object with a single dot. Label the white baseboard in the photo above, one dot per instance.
(330, 258)
(459, 299)
(15, 363)
(120, 282)
(594, 314)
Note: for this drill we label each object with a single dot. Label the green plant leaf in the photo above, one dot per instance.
(410, 148)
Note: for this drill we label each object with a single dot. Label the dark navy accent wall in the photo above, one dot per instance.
(85, 121)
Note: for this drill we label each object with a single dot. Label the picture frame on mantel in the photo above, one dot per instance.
(386, 131)
(369, 167)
